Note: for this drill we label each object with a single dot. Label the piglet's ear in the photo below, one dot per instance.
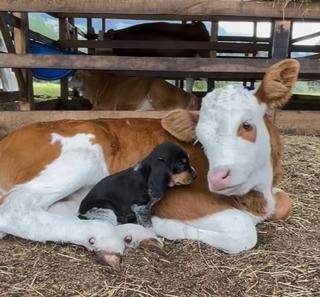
(181, 124)
(277, 84)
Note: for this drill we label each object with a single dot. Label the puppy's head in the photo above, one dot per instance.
(177, 162)
(169, 166)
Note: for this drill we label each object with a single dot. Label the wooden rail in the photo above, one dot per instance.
(177, 9)
(196, 67)
(185, 45)
(296, 122)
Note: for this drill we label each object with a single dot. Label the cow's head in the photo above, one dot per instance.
(237, 138)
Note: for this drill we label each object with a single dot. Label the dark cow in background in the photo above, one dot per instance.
(161, 31)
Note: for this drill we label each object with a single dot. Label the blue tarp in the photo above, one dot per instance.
(49, 74)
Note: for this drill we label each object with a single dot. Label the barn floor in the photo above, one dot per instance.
(286, 261)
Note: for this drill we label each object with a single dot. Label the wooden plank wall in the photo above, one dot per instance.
(292, 122)
(176, 9)
(178, 67)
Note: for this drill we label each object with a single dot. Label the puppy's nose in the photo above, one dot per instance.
(193, 173)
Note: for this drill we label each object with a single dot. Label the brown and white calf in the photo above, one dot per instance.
(110, 92)
(237, 156)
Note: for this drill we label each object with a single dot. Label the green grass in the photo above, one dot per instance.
(46, 89)
(310, 93)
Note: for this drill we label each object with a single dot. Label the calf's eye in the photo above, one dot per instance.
(247, 126)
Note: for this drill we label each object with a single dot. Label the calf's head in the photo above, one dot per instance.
(237, 137)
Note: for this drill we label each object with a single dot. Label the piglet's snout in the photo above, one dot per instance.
(219, 180)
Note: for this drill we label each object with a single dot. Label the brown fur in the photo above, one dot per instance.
(276, 150)
(252, 202)
(247, 135)
(183, 178)
(283, 207)
(21, 159)
(2, 198)
(110, 92)
(181, 124)
(277, 84)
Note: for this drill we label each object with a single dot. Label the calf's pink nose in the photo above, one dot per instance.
(219, 180)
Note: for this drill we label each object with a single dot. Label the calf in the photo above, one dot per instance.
(238, 163)
(110, 92)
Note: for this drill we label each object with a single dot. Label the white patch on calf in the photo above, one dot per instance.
(70, 205)
(231, 231)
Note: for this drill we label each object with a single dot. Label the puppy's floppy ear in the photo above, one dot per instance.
(158, 179)
(277, 84)
(181, 124)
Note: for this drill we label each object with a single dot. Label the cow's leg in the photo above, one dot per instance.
(283, 205)
(231, 231)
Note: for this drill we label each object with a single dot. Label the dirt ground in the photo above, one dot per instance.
(285, 262)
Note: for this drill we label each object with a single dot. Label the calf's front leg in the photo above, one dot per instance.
(283, 207)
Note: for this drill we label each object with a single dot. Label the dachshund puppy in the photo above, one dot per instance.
(129, 195)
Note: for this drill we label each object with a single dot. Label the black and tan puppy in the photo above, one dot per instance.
(128, 196)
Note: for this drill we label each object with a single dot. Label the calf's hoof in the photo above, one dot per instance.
(108, 258)
(153, 244)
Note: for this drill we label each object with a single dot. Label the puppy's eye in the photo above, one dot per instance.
(181, 162)
(247, 126)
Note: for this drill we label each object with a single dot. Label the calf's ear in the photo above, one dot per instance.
(278, 82)
(181, 124)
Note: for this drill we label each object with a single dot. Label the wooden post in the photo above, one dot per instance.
(280, 46)
(91, 51)
(63, 34)
(213, 54)
(103, 21)
(11, 49)
(30, 91)
(281, 39)
(254, 54)
(22, 45)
